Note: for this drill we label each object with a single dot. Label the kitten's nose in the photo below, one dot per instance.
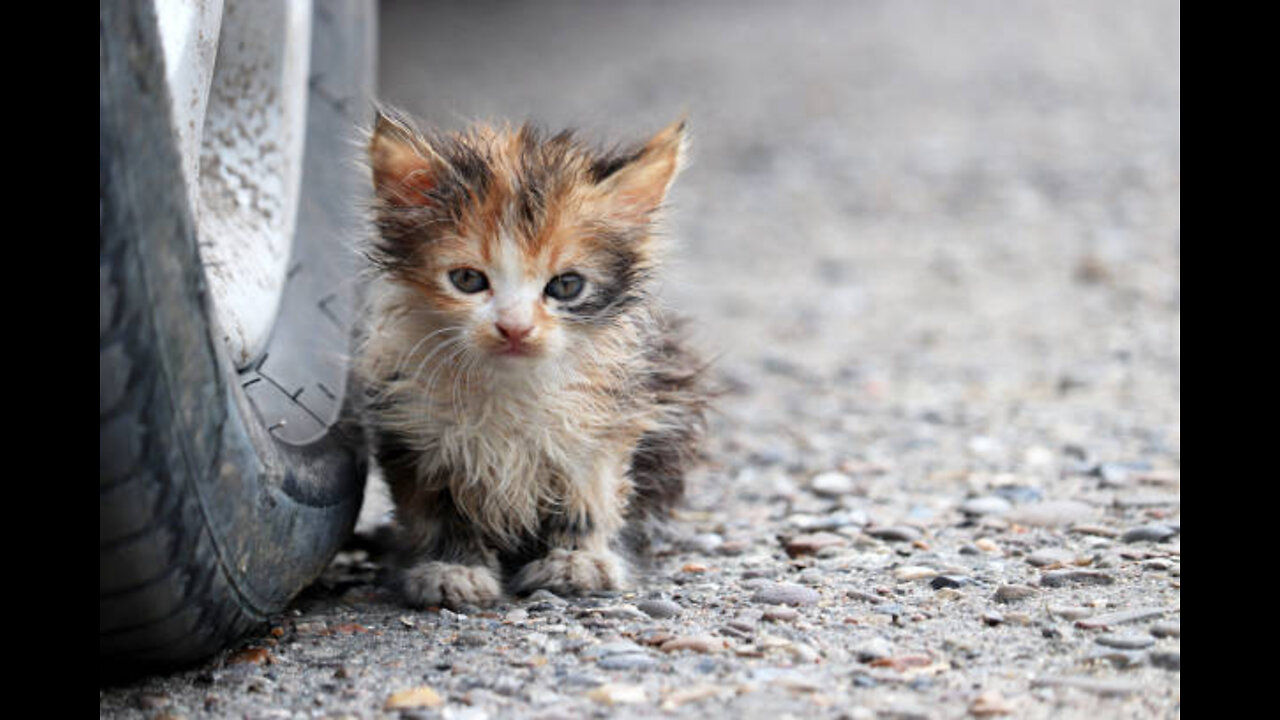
(514, 333)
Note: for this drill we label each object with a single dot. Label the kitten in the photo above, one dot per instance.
(532, 407)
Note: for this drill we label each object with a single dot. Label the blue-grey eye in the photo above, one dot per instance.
(565, 287)
(468, 280)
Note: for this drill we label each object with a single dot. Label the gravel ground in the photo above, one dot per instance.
(936, 249)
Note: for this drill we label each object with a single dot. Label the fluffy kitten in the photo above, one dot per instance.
(531, 404)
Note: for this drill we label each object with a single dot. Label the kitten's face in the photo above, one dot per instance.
(524, 247)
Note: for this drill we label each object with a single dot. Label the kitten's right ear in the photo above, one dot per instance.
(405, 168)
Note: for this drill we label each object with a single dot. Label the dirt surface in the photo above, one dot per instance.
(936, 248)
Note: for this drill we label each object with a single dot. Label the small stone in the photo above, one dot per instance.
(659, 609)
(992, 618)
(1126, 642)
(949, 581)
(1051, 556)
(1062, 578)
(785, 594)
(914, 572)
(1014, 593)
(1018, 494)
(812, 543)
(990, 703)
(833, 484)
(418, 697)
(254, 656)
(1166, 629)
(696, 643)
(1157, 564)
(1052, 513)
(611, 648)
(895, 533)
(705, 543)
(987, 545)
(1167, 659)
(627, 661)
(780, 614)
(694, 694)
(1099, 686)
(876, 648)
(987, 505)
(1154, 532)
(1107, 620)
(1069, 612)
(618, 694)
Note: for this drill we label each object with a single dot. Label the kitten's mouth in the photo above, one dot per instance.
(516, 350)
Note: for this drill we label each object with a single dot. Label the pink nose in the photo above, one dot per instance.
(514, 334)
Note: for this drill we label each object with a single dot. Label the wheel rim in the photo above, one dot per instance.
(237, 73)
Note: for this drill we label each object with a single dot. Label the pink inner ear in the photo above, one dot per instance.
(400, 175)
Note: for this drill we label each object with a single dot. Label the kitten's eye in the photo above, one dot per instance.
(565, 287)
(468, 280)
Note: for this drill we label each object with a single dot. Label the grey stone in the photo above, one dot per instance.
(1154, 532)
(627, 661)
(1053, 513)
(986, 505)
(1126, 642)
(785, 594)
(660, 609)
(1167, 659)
(895, 533)
(1051, 556)
(1062, 578)
(1014, 593)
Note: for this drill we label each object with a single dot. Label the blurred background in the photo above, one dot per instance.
(965, 214)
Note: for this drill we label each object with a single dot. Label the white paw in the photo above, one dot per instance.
(571, 572)
(449, 584)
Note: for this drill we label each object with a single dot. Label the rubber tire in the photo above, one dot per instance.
(209, 523)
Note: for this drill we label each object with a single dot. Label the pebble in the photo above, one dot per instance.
(876, 648)
(949, 581)
(422, 696)
(1014, 593)
(696, 643)
(1018, 494)
(914, 572)
(1069, 612)
(1051, 556)
(1167, 629)
(833, 484)
(1126, 642)
(812, 543)
(1062, 578)
(1099, 686)
(1154, 532)
(627, 661)
(1167, 659)
(1157, 564)
(785, 594)
(1096, 530)
(1107, 620)
(986, 505)
(618, 647)
(618, 694)
(659, 609)
(895, 533)
(987, 545)
(780, 614)
(990, 703)
(704, 543)
(992, 618)
(1052, 513)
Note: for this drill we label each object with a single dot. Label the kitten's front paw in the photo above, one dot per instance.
(449, 584)
(571, 572)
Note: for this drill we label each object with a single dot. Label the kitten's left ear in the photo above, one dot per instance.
(636, 185)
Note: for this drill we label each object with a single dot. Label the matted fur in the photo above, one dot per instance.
(520, 433)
